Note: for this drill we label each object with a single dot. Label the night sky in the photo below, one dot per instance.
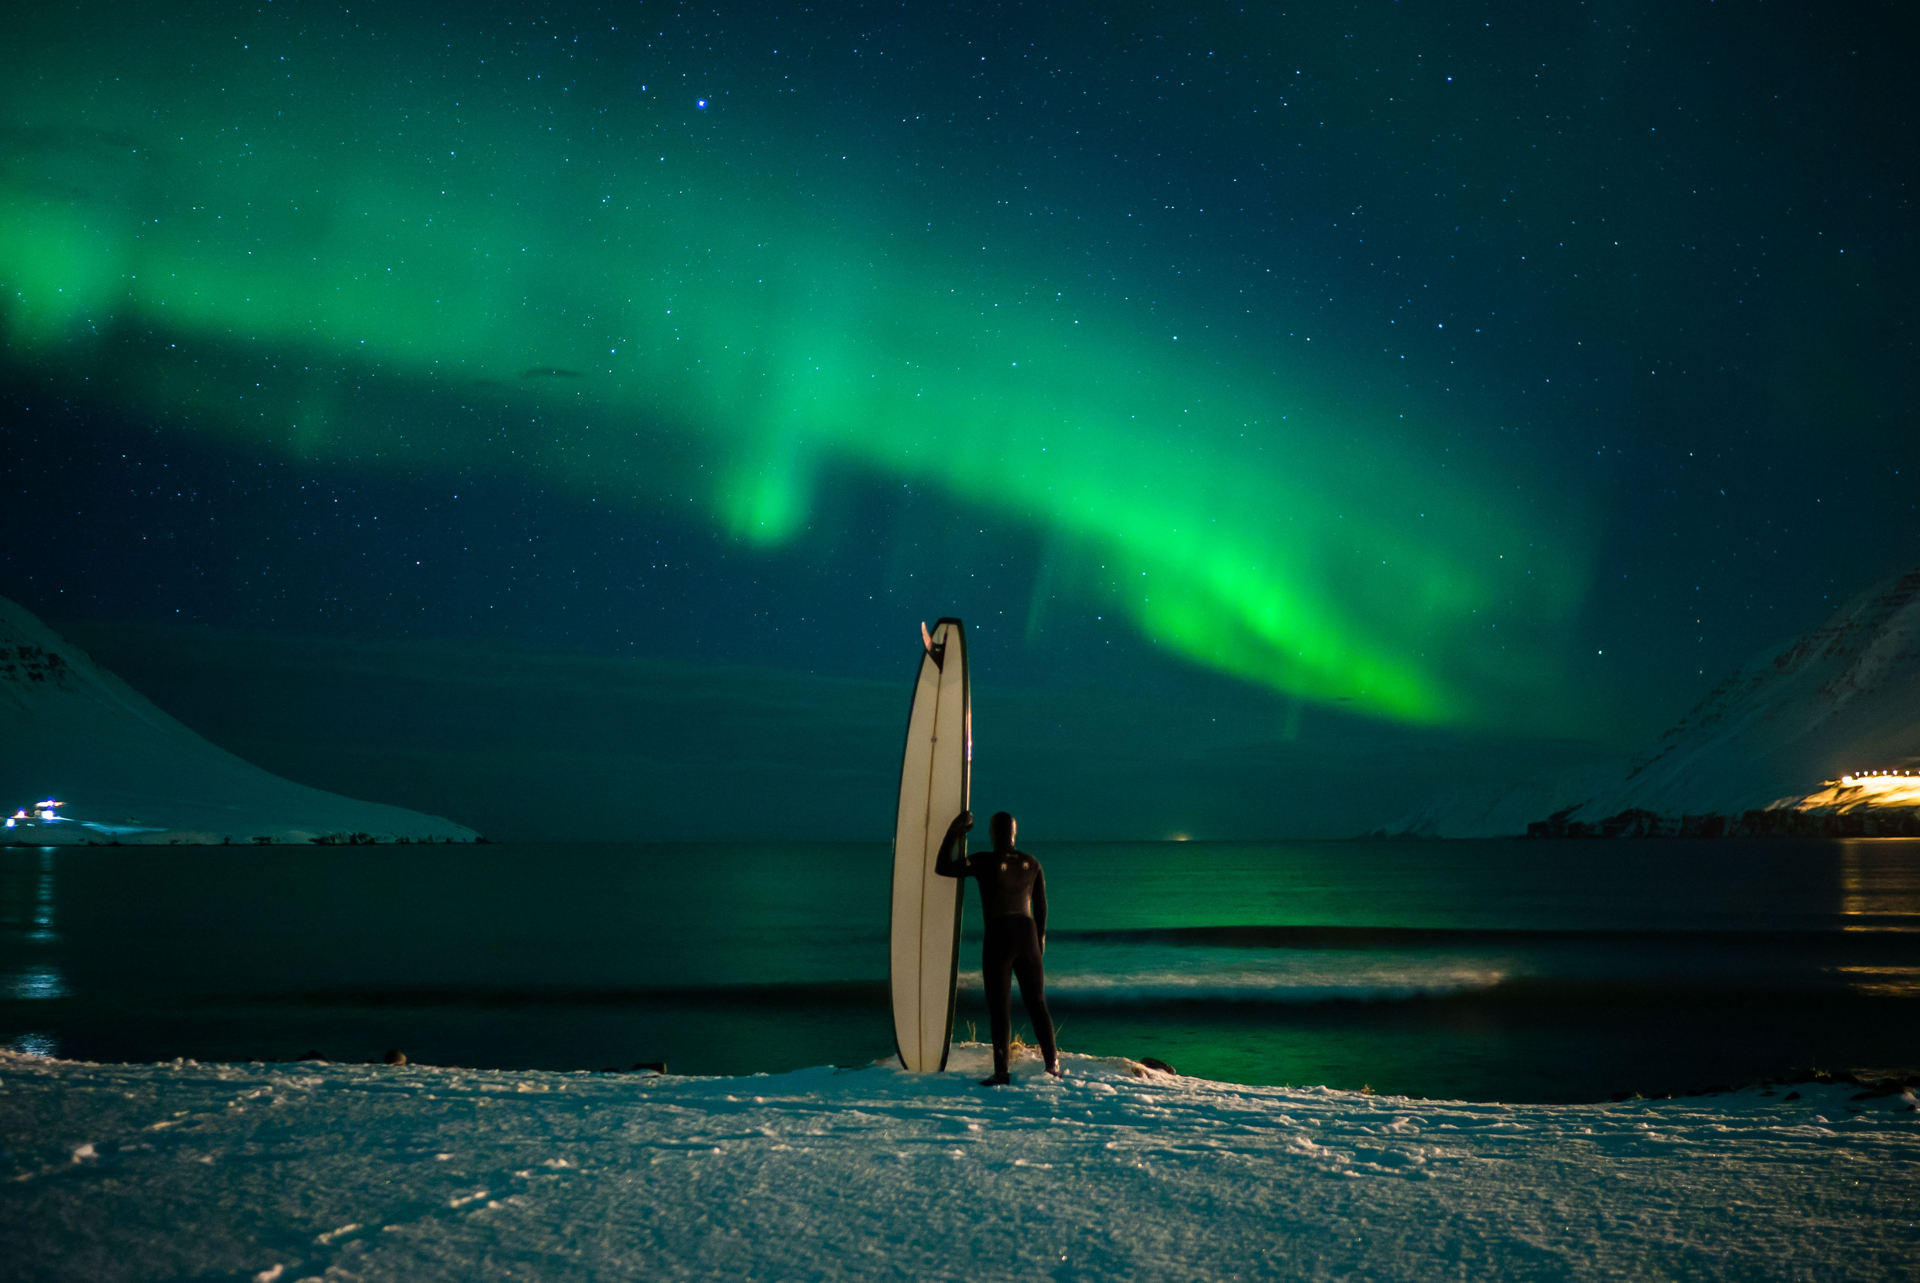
(1304, 410)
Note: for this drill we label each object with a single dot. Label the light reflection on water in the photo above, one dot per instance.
(38, 983)
(1884, 982)
(27, 914)
(43, 932)
(27, 898)
(1876, 893)
(35, 1044)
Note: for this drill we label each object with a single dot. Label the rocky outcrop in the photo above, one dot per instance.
(1780, 823)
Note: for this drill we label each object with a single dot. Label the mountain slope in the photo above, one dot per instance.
(1844, 698)
(128, 772)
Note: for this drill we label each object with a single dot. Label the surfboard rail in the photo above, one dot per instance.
(923, 970)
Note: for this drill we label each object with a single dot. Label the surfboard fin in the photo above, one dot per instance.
(939, 652)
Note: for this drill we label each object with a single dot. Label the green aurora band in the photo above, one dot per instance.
(343, 263)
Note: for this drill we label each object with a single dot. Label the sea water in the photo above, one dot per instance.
(1515, 970)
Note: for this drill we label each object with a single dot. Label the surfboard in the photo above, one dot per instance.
(935, 775)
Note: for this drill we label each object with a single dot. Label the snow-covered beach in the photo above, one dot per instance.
(312, 1170)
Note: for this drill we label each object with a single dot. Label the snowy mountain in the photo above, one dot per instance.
(124, 771)
(1809, 740)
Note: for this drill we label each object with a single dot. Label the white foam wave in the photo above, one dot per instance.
(1299, 985)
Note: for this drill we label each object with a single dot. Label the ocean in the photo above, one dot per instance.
(1496, 970)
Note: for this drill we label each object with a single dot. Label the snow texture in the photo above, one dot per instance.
(319, 1171)
(128, 772)
(1843, 698)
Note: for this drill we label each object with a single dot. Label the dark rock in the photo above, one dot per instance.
(1865, 822)
(1703, 826)
(1783, 823)
(310, 1055)
(652, 1066)
(1636, 823)
(1560, 824)
(396, 1057)
(1793, 1095)
(1161, 1065)
(1885, 1087)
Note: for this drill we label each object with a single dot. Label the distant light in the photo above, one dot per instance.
(700, 104)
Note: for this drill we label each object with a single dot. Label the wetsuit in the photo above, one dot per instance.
(1013, 895)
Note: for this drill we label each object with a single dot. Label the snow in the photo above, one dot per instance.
(127, 772)
(313, 1170)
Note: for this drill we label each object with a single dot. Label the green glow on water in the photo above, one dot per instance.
(362, 268)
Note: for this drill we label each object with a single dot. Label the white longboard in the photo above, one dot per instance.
(934, 781)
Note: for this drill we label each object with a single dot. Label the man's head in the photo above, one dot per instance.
(1003, 828)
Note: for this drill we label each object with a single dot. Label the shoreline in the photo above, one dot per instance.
(1864, 1084)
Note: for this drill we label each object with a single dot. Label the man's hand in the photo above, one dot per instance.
(950, 862)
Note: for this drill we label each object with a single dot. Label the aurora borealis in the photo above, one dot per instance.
(1335, 354)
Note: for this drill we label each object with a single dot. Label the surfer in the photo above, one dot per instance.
(1013, 896)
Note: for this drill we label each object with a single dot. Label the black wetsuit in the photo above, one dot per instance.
(1013, 895)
